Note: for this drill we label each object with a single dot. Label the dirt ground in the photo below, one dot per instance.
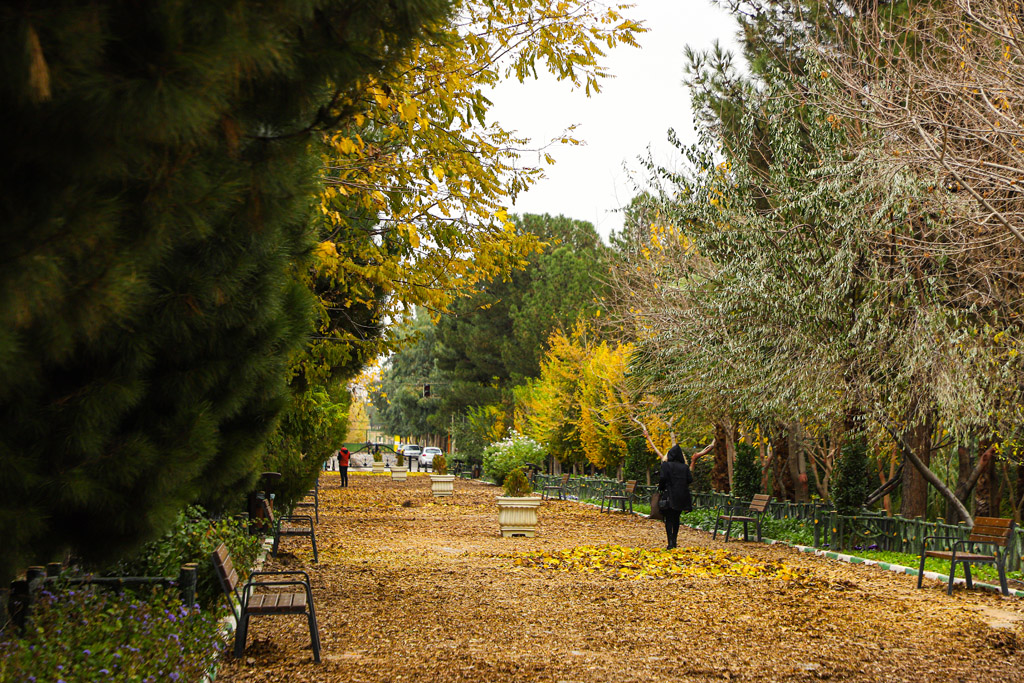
(412, 590)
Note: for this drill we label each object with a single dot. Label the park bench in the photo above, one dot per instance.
(991, 531)
(626, 497)
(559, 488)
(290, 525)
(312, 500)
(745, 514)
(260, 597)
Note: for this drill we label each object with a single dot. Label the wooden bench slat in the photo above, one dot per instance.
(1001, 522)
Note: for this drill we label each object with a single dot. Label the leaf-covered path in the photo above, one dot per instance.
(412, 590)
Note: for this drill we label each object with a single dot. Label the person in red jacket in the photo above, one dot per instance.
(343, 465)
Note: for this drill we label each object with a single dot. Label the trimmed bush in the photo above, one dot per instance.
(440, 464)
(517, 485)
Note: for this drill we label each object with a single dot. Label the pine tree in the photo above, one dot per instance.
(746, 472)
(161, 159)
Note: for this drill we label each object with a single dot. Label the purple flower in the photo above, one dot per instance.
(86, 652)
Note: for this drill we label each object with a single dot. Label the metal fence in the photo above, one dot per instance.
(866, 529)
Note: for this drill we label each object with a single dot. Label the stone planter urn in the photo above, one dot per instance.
(399, 473)
(378, 467)
(518, 516)
(442, 484)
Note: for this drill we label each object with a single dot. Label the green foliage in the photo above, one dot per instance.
(193, 538)
(87, 634)
(378, 456)
(639, 459)
(440, 464)
(746, 472)
(473, 432)
(516, 484)
(156, 221)
(510, 453)
(311, 425)
(702, 470)
(850, 480)
(400, 459)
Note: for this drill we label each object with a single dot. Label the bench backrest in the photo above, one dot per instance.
(630, 487)
(994, 530)
(565, 479)
(226, 574)
(759, 503)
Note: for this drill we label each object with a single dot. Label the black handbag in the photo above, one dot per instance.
(657, 503)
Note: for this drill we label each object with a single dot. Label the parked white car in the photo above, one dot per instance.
(427, 456)
(411, 452)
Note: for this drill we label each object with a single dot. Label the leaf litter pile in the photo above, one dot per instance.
(413, 589)
(616, 562)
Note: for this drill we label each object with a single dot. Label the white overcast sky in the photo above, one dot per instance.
(633, 111)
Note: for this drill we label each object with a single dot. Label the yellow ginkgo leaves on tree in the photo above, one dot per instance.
(618, 562)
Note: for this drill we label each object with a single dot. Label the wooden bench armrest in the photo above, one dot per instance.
(924, 543)
(968, 546)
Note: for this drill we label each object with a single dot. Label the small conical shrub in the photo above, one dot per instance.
(440, 464)
(516, 484)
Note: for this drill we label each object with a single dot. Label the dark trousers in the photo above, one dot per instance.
(672, 525)
(343, 470)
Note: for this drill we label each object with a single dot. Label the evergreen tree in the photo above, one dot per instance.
(850, 484)
(154, 206)
(746, 474)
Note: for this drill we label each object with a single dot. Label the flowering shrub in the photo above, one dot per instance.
(86, 634)
(515, 450)
(192, 539)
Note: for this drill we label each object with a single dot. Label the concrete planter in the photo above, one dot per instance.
(378, 467)
(518, 516)
(442, 484)
(398, 473)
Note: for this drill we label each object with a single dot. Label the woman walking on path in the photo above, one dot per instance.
(343, 465)
(674, 484)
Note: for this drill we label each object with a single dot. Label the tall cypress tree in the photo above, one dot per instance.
(160, 164)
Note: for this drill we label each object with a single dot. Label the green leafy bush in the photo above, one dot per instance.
(399, 459)
(501, 457)
(746, 475)
(701, 473)
(85, 634)
(517, 485)
(192, 539)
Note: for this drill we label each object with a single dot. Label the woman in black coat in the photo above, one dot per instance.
(674, 485)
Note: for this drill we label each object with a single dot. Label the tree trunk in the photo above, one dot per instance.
(963, 473)
(797, 465)
(782, 481)
(720, 472)
(985, 504)
(730, 451)
(908, 454)
(914, 502)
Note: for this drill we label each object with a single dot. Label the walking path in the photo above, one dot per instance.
(412, 590)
